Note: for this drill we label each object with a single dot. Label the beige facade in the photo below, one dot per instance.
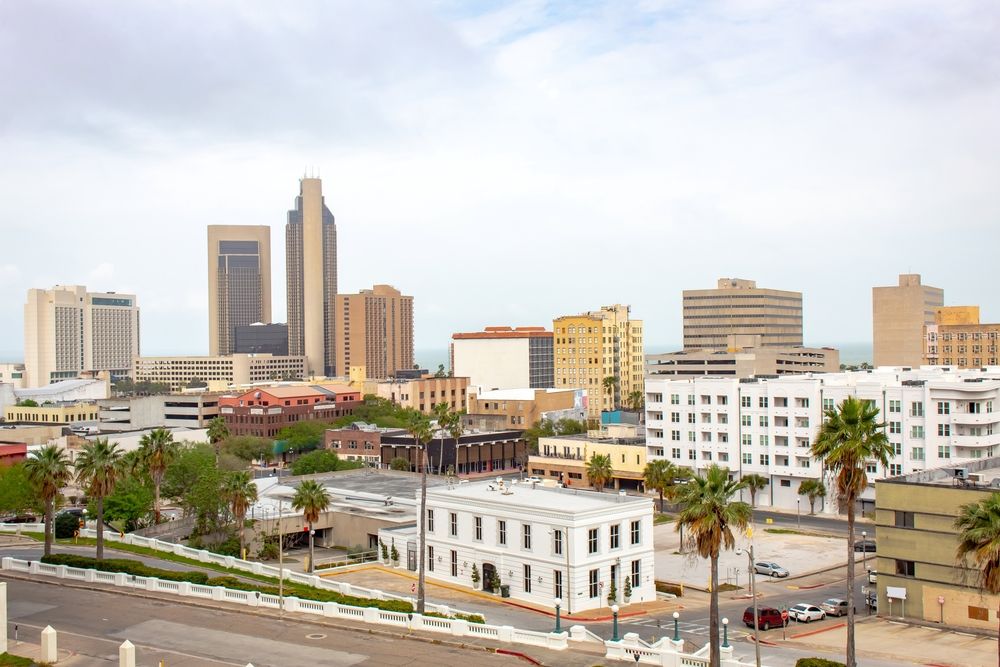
(51, 414)
(522, 408)
(219, 372)
(565, 457)
(899, 315)
(239, 282)
(917, 541)
(744, 356)
(423, 394)
(957, 338)
(311, 266)
(596, 345)
(69, 331)
(739, 307)
(12, 374)
(375, 330)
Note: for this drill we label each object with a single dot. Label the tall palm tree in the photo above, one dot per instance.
(754, 483)
(610, 383)
(419, 427)
(658, 475)
(636, 400)
(48, 469)
(241, 494)
(98, 468)
(217, 432)
(599, 471)
(850, 437)
(710, 515)
(312, 500)
(157, 450)
(979, 543)
(813, 490)
(451, 422)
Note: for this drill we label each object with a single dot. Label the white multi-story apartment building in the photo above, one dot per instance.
(544, 542)
(933, 417)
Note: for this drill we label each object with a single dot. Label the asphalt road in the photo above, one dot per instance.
(93, 624)
(817, 523)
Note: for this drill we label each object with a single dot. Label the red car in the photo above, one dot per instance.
(767, 618)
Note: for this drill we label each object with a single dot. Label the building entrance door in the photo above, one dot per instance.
(489, 571)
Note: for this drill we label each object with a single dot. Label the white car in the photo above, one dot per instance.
(806, 613)
(531, 480)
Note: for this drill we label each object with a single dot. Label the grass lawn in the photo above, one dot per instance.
(662, 518)
(8, 660)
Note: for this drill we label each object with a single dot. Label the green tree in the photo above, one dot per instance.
(217, 432)
(599, 471)
(248, 448)
(187, 466)
(978, 549)
(304, 436)
(157, 450)
(610, 384)
(98, 469)
(710, 515)
(420, 429)
(754, 483)
(450, 421)
(659, 475)
(17, 493)
(636, 400)
(322, 460)
(27, 403)
(131, 502)
(49, 471)
(399, 463)
(311, 499)
(850, 437)
(241, 493)
(441, 372)
(813, 489)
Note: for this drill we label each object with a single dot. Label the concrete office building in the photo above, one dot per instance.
(522, 408)
(744, 356)
(739, 307)
(374, 331)
(12, 374)
(596, 345)
(564, 457)
(239, 282)
(261, 338)
(899, 315)
(957, 338)
(188, 410)
(220, 372)
(424, 393)
(933, 417)
(69, 331)
(68, 413)
(504, 357)
(311, 266)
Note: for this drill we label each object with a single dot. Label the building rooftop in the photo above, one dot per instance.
(504, 332)
(519, 394)
(528, 497)
(56, 388)
(975, 474)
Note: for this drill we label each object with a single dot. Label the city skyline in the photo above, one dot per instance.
(808, 148)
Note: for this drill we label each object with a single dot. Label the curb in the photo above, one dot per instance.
(816, 632)
(517, 654)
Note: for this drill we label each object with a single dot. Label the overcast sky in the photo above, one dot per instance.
(505, 163)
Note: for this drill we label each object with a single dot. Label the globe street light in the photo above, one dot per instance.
(558, 603)
(677, 634)
(725, 633)
(614, 630)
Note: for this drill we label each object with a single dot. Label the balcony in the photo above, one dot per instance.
(976, 418)
(975, 440)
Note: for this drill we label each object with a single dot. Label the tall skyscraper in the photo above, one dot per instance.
(68, 330)
(239, 282)
(311, 264)
(738, 307)
(375, 330)
(899, 315)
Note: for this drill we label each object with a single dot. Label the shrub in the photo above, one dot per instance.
(310, 593)
(66, 525)
(126, 566)
(817, 662)
(668, 587)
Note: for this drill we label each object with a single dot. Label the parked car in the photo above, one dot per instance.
(871, 599)
(834, 607)
(806, 613)
(532, 480)
(20, 518)
(770, 569)
(767, 618)
(867, 546)
(872, 576)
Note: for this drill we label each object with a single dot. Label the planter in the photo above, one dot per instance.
(628, 599)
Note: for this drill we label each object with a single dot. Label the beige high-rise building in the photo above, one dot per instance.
(374, 330)
(958, 338)
(899, 315)
(739, 307)
(68, 331)
(311, 266)
(239, 282)
(600, 344)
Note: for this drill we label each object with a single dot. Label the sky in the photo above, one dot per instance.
(505, 162)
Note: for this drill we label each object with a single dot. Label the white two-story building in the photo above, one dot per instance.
(544, 542)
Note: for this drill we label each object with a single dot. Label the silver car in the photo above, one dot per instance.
(834, 607)
(770, 569)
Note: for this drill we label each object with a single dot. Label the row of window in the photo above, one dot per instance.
(614, 533)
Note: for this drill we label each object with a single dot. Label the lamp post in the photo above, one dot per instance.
(614, 627)
(798, 513)
(753, 594)
(725, 633)
(558, 603)
(677, 632)
(864, 549)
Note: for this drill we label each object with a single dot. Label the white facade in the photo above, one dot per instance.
(492, 363)
(933, 416)
(543, 542)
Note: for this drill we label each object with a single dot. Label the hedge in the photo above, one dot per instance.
(126, 566)
(817, 662)
(315, 594)
(471, 618)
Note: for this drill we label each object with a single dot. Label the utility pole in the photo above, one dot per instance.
(281, 563)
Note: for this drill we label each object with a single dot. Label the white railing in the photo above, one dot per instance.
(22, 528)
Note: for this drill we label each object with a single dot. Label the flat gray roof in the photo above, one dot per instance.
(537, 496)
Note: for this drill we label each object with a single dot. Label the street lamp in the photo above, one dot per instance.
(677, 633)
(798, 513)
(864, 549)
(725, 633)
(614, 627)
(753, 594)
(558, 603)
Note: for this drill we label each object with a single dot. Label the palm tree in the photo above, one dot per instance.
(450, 421)
(419, 427)
(599, 471)
(98, 469)
(311, 499)
(636, 400)
(848, 439)
(610, 383)
(813, 489)
(979, 543)
(659, 475)
(217, 432)
(157, 450)
(241, 493)
(754, 483)
(48, 469)
(710, 515)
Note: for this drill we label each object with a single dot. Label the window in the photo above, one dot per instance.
(944, 429)
(974, 408)
(944, 452)
(691, 399)
(904, 519)
(594, 574)
(895, 469)
(828, 404)
(764, 440)
(615, 540)
(917, 409)
(526, 536)
(896, 427)
(762, 402)
(592, 541)
(430, 559)
(502, 530)
(917, 453)
(745, 420)
(690, 436)
(557, 542)
(453, 524)
(675, 435)
(747, 458)
(430, 521)
(905, 568)
(744, 401)
(691, 418)
(479, 528)
(675, 452)
(635, 573)
(746, 440)
(916, 431)
(527, 578)
(635, 532)
(557, 584)
(763, 421)
(871, 468)
(675, 417)
(454, 563)
(944, 407)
